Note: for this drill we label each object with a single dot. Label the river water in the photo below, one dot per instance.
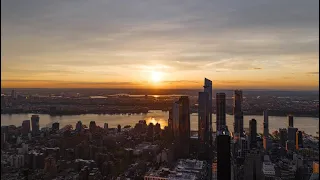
(308, 124)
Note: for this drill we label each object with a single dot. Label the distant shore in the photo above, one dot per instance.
(144, 112)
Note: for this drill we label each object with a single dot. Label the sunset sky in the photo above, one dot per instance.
(265, 44)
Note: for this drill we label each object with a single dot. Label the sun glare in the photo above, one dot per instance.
(156, 76)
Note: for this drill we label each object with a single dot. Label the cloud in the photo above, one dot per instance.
(313, 73)
(115, 38)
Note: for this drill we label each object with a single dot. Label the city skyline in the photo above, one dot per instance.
(160, 44)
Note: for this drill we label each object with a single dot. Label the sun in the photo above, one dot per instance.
(156, 76)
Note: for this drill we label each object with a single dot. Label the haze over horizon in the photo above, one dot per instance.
(160, 44)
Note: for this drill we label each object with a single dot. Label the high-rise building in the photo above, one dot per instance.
(299, 140)
(181, 125)
(253, 133)
(237, 113)
(203, 125)
(25, 127)
(119, 128)
(170, 121)
(290, 121)
(176, 110)
(253, 165)
(79, 126)
(268, 170)
(292, 134)
(106, 126)
(265, 124)
(208, 89)
(92, 125)
(283, 136)
(35, 124)
(55, 126)
(223, 155)
(221, 111)
(266, 140)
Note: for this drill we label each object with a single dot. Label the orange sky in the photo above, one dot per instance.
(123, 44)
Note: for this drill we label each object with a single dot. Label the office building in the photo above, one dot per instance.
(265, 124)
(79, 126)
(290, 121)
(237, 112)
(181, 126)
(55, 126)
(184, 169)
(253, 165)
(268, 170)
(208, 89)
(35, 124)
(221, 111)
(223, 155)
(266, 139)
(106, 126)
(290, 145)
(253, 133)
(292, 134)
(92, 126)
(203, 125)
(119, 128)
(283, 136)
(299, 140)
(25, 127)
(170, 121)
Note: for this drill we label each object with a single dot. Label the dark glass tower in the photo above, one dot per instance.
(223, 155)
(290, 121)
(203, 125)
(237, 112)
(221, 111)
(253, 133)
(181, 126)
(35, 124)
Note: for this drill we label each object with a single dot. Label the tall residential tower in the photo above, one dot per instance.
(237, 112)
(221, 111)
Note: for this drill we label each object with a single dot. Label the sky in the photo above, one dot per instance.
(160, 43)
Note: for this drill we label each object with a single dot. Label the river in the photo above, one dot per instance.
(308, 124)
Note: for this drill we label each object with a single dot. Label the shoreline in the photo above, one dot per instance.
(93, 113)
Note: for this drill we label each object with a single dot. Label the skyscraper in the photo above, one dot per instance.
(208, 89)
(35, 124)
(266, 141)
(237, 112)
(170, 121)
(203, 125)
(181, 126)
(292, 134)
(106, 126)
(253, 165)
(176, 110)
(221, 111)
(299, 140)
(283, 136)
(223, 155)
(253, 133)
(265, 124)
(92, 126)
(290, 121)
(79, 126)
(55, 126)
(25, 127)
